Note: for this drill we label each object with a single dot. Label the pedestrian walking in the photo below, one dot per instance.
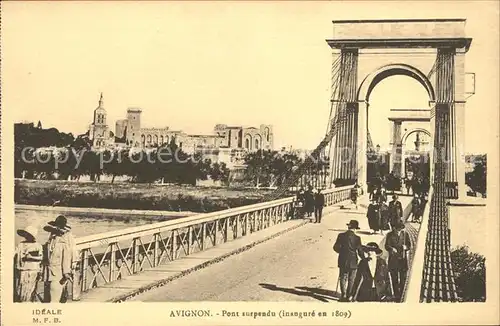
(27, 265)
(373, 215)
(415, 208)
(319, 203)
(384, 217)
(59, 257)
(348, 246)
(407, 185)
(309, 202)
(354, 195)
(398, 245)
(372, 279)
(395, 211)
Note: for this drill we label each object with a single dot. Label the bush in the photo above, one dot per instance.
(470, 274)
(137, 196)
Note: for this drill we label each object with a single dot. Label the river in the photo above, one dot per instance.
(82, 224)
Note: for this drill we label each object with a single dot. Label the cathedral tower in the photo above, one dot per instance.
(99, 129)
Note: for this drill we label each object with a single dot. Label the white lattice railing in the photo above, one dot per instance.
(110, 256)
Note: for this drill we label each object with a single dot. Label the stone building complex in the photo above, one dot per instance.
(226, 141)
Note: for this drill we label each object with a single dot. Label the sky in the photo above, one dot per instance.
(191, 65)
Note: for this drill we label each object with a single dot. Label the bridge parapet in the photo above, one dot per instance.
(416, 271)
(431, 277)
(109, 256)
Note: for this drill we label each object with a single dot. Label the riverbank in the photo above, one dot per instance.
(129, 196)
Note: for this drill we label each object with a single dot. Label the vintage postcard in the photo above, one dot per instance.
(249, 163)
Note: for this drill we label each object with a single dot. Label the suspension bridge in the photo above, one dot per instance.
(266, 252)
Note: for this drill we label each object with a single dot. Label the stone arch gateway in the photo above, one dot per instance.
(432, 51)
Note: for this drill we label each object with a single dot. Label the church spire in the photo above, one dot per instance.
(100, 101)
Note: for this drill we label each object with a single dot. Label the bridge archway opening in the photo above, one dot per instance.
(391, 87)
(416, 154)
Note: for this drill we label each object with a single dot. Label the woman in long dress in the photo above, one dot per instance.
(27, 259)
(373, 216)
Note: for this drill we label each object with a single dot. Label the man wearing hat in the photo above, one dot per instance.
(27, 259)
(372, 279)
(59, 253)
(348, 246)
(319, 202)
(398, 245)
(395, 210)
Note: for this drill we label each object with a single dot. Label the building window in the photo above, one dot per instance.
(256, 144)
(247, 143)
(149, 139)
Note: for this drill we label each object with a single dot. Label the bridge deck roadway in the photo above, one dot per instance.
(298, 266)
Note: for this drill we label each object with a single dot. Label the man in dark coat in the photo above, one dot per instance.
(395, 210)
(384, 217)
(398, 245)
(319, 202)
(354, 195)
(373, 215)
(372, 279)
(416, 205)
(309, 202)
(348, 246)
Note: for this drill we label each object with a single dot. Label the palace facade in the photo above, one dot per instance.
(230, 142)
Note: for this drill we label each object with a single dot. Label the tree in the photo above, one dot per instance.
(259, 167)
(477, 178)
(470, 274)
(219, 172)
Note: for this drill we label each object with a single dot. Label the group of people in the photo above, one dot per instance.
(383, 217)
(417, 185)
(364, 275)
(309, 202)
(414, 184)
(55, 260)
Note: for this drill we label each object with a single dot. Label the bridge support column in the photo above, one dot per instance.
(459, 146)
(396, 155)
(449, 82)
(362, 147)
(432, 106)
(343, 153)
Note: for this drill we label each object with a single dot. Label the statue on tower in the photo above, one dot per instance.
(417, 142)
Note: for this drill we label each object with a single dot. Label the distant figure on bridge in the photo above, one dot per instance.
(416, 209)
(319, 203)
(58, 258)
(354, 195)
(395, 211)
(372, 280)
(384, 217)
(379, 195)
(300, 204)
(398, 245)
(373, 216)
(309, 202)
(27, 267)
(408, 182)
(348, 246)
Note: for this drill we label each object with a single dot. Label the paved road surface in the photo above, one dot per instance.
(298, 266)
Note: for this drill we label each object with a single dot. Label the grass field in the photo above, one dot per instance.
(133, 196)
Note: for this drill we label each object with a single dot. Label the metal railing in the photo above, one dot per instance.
(110, 256)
